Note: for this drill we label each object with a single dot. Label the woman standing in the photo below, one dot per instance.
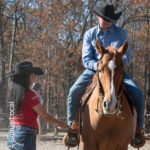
(23, 126)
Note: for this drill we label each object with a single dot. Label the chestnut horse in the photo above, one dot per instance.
(107, 120)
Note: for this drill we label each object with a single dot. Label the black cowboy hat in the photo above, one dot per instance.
(107, 12)
(24, 67)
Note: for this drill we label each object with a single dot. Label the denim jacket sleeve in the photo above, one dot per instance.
(88, 59)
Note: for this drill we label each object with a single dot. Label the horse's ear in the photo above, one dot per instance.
(123, 49)
(100, 49)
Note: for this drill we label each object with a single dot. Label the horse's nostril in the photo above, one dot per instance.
(116, 106)
(105, 104)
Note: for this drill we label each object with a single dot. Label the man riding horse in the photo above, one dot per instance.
(108, 34)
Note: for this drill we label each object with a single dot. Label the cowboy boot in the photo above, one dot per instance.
(71, 137)
(139, 139)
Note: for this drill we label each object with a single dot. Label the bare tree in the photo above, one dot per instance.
(2, 60)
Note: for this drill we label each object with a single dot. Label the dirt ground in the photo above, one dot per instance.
(49, 142)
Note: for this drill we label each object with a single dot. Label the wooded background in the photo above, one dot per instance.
(50, 33)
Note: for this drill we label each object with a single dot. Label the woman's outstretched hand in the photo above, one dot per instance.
(61, 124)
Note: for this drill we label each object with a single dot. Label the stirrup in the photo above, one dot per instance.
(139, 139)
(71, 138)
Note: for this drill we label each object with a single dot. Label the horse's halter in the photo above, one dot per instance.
(101, 91)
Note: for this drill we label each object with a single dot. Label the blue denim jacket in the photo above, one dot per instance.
(114, 36)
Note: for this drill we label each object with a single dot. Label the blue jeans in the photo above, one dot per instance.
(79, 88)
(138, 98)
(22, 138)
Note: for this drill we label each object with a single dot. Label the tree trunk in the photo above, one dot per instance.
(13, 40)
(12, 45)
(2, 64)
(56, 108)
(147, 61)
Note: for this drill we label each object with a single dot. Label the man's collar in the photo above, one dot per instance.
(108, 30)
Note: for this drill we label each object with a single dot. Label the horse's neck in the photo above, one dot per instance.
(95, 99)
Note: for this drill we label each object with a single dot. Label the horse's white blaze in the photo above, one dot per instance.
(112, 66)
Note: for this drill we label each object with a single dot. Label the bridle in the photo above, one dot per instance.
(101, 92)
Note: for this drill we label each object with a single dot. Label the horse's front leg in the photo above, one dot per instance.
(88, 146)
(112, 146)
(123, 148)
